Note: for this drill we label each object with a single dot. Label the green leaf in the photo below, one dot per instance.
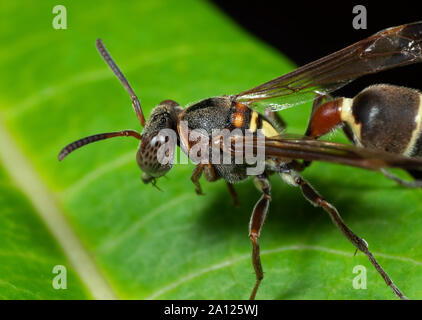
(28, 253)
(135, 241)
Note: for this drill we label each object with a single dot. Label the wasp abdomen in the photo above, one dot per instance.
(387, 117)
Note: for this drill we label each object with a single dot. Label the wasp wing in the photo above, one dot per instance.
(292, 147)
(390, 48)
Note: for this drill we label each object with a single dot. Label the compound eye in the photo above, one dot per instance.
(154, 154)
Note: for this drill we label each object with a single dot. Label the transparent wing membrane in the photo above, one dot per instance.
(390, 48)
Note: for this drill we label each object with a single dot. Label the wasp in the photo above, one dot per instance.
(384, 123)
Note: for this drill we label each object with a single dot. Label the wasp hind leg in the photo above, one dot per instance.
(417, 183)
(293, 178)
(257, 220)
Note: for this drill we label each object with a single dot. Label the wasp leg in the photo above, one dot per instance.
(209, 173)
(233, 194)
(276, 120)
(196, 175)
(293, 178)
(257, 220)
(407, 184)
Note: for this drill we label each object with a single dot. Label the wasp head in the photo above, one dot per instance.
(158, 141)
(156, 133)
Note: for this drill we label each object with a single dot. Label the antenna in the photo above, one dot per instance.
(101, 136)
(113, 66)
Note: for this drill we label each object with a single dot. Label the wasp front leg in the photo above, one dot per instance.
(196, 175)
(209, 173)
(293, 178)
(257, 220)
(211, 176)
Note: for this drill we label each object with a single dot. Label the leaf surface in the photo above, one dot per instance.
(54, 88)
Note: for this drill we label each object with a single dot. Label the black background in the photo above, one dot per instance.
(306, 31)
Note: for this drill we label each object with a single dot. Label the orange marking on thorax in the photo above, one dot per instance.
(238, 119)
(239, 115)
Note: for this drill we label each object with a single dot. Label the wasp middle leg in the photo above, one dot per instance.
(293, 178)
(257, 220)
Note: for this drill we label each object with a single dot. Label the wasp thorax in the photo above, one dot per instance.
(155, 153)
